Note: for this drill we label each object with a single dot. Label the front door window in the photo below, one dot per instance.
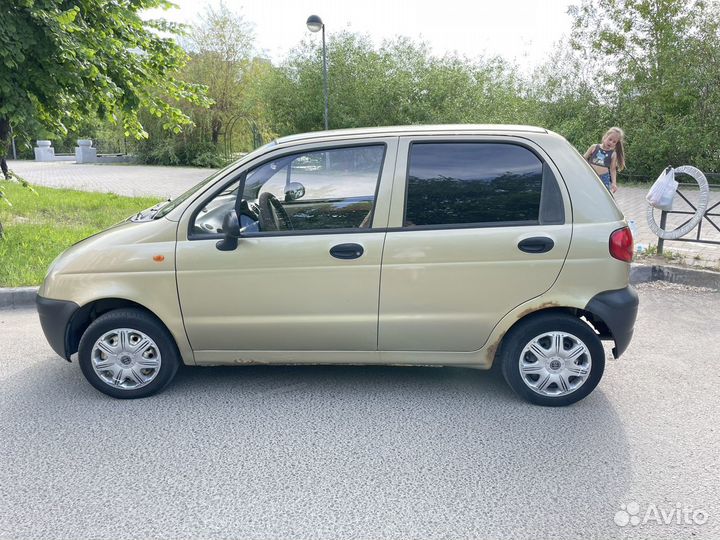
(325, 190)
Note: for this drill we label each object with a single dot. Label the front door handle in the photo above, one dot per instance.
(347, 251)
(536, 244)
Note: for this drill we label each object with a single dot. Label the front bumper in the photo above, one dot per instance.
(55, 316)
(618, 310)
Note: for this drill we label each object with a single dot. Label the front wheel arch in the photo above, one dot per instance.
(87, 314)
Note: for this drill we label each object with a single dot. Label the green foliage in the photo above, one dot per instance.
(220, 49)
(209, 158)
(650, 67)
(398, 83)
(191, 147)
(63, 61)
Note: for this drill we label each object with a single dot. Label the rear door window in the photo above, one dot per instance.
(477, 183)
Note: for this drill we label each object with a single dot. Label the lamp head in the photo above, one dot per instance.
(314, 23)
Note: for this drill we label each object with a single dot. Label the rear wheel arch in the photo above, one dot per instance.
(593, 320)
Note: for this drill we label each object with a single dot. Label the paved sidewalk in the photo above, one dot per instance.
(129, 180)
(136, 180)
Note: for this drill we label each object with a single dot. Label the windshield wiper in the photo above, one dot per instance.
(155, 209)
(149, 213)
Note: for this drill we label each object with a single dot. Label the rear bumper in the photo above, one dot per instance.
(618, 310)
(55, 318)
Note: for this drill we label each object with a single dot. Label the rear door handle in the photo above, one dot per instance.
(536, 244)
(347, 251)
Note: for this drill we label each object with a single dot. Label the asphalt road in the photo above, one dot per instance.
(368, 452)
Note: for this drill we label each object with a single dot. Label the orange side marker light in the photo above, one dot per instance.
(159, 258)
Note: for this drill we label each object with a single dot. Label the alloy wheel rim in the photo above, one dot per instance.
(555, 364)
(126, 358)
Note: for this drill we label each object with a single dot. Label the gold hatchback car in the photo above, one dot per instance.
(431, 245)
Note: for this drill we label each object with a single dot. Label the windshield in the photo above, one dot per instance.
(177, 201)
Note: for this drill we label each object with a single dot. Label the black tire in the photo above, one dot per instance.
(141, 322)
(568, 330)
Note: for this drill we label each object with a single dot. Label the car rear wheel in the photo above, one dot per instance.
(128, 353)
(552, 359)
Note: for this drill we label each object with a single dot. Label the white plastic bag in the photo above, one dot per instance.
(662, 192)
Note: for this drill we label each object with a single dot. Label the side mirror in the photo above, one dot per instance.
(294, 191)
(231, 228)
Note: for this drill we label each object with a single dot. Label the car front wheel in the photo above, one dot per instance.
(128, 353)
(553, 359)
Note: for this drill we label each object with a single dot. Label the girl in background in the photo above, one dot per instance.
(608, 157)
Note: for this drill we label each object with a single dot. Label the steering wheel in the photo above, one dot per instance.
(272, 214)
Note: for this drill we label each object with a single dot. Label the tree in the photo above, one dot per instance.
(398, 83)
(656, 72)
(565, 92)
(220, 48)
(63, 60)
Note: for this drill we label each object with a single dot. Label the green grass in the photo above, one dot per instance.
(39, 227)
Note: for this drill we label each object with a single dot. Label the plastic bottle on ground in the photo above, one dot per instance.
(633, 229)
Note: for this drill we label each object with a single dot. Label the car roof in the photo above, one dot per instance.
(445, 129)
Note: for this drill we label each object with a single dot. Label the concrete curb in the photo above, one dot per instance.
(641, 273)
(24, 297)
(17, 297)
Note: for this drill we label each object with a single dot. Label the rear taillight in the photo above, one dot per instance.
(621, 244)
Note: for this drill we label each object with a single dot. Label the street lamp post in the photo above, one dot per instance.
(314, 24)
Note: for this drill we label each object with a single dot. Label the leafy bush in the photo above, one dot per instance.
(210, 159)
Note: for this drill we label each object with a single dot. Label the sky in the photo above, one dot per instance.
(522, 31)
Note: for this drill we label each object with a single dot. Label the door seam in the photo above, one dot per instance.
(382, 251)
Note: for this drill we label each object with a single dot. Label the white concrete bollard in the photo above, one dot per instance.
(84, 152)
(44, 151)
